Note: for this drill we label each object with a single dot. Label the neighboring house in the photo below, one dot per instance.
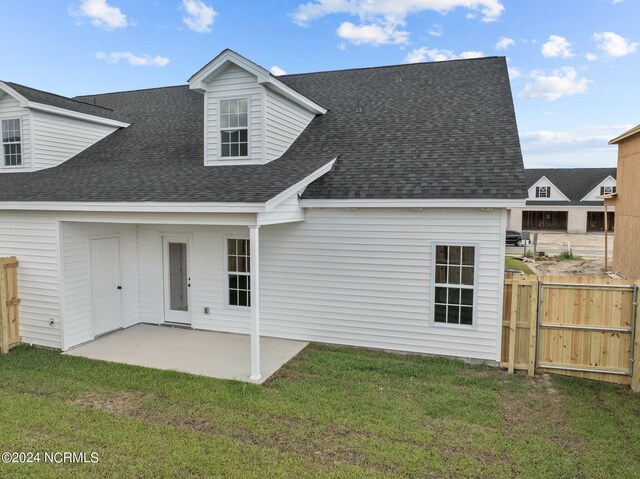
(364, 207)
(565, 199)
(626, 200)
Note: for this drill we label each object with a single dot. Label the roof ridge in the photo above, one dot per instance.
(130, 91)
(60, 96)
(391, 66)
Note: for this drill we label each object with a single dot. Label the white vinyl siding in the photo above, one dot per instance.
(58, 138)
(364, 278)
(32, 239)
(10, 109)
(275, 122)
(545, 187)
(232, 84)
(208, 276)
(77, 311)
(285, 122)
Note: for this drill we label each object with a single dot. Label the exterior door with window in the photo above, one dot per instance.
(177, 279)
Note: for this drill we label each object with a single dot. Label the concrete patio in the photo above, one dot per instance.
(204, 353)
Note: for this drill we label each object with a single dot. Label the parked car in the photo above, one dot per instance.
(514, 238)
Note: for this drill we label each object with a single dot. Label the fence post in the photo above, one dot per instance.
(4, 312)
(635, 372)
(513, 324)
(533, 328)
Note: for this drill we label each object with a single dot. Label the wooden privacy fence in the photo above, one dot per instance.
(9, 303)
(576, 326)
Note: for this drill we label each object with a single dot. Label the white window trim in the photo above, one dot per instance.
(547, 192)
(432, 309)
(220, 129)
(21, 143)
(227, 272)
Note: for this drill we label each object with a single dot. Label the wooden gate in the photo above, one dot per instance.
(9, 303)
(577, 326)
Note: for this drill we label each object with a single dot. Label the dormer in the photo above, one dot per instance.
(250, 117)
(39, 130)
(545, 190)
(605, 187)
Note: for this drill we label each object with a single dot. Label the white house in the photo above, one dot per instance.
(565, 199)
(362, 207)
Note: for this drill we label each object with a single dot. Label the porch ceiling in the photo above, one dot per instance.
(204, 353)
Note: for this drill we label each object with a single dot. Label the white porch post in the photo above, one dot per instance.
(254, 245)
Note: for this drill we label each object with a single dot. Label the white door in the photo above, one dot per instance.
(106, 302)
(177, 281)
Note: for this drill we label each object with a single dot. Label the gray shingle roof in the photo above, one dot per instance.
(430, 130)
(575, 183)
(59, 101)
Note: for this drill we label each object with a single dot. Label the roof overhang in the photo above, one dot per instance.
(610, 196)
(599, 197)
(266, 207)
(626, 134)
(543, 177)
(25, 103)
(219, 64)
(413, 203)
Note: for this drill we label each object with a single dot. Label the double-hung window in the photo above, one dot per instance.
(607, 190)
(454, 284)
(543, 191)
(234, 128)
(12, 142)
(239, 272)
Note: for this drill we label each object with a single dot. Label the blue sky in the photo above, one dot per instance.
(574, 64)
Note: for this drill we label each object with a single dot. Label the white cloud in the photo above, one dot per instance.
(504, 43)
(514, 73)
(591, 57)
(436, 30)
(277, 71)
(560, 83)
(470, 54)
(380, 21)
(373, 34)
(199, 17)
(557, 46)
(101, 14)
(134, 60)
(614, 45)
(418, 55)
(582, 147)
(396, 10)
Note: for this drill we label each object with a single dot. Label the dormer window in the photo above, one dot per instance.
(234, 128)
(607, 190)
(543, 191)
(12, 142)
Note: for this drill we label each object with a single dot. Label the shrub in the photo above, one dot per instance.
(567, 255)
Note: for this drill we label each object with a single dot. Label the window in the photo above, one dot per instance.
(607, 190)
(238, 271)
(543, 191)
(234, 128)
(12, 142)
(454, 284)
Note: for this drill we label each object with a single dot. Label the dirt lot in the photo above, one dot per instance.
(586, 245)
(582, 267)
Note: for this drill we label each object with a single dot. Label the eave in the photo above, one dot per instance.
(211, 70)
(32, 105)
(626, 134)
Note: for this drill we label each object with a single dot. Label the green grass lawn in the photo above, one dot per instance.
(510, 262)
(331, 412)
